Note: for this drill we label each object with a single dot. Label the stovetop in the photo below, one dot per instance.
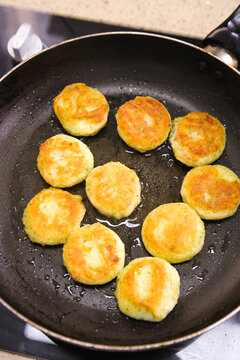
(16, 336)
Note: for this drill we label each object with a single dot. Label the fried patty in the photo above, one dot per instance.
(173, 232)
(148, 289)
(197, 139)
(113, 189)
(94, 254)
(82, 110)
(52, 215)
(64, 161)
(143, 123)
(212, 190)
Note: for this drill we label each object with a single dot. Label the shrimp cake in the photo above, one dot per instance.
(94, 254)
(143, 123)
(148, 289)
(173, 232)
(52, 215)
(81, 110)
(113, 189)
(197, 139)
(64, 161)
(212, 190)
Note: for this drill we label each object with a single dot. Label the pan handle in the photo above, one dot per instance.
(224, 41)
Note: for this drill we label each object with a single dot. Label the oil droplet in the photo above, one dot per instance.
(136, 248)
(137, 242)
(56, 284)
(70, 289)
(31, 262)
(170, 162)
(68, 276)
(196, 264)
(112, 307)
(165, 156)
(202, 275)
(106, 292)
(82, 292)
(211, 249)
(189, 289)
(115, 317)
(128, 223)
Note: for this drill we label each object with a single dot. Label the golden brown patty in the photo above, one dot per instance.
(113, 189)
(64, 161)
(148, 289)
(212, 190)
(94, 254)
(143, 123)
(52, 215)
(197, 139)
(82, 110)
(173, 232)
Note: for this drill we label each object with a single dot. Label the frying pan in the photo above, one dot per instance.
(34, 284)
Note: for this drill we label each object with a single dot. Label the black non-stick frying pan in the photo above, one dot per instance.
(34, 284)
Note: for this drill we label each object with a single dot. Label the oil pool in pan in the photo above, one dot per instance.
(128, 222)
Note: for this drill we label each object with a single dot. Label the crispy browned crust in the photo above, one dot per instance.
(52, 215)
(197, 139)
(81, 109)
(212, 190)
(94, 254)
(64, 161)
(113, 189)
(174, 232)
(143, 123)
(147, 289)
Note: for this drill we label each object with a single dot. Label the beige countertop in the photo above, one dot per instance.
(192, 18)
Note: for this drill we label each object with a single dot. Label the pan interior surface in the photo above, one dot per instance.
(33, 279)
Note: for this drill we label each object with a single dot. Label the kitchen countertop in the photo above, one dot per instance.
(192, 18)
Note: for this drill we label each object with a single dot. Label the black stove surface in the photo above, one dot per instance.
(220, 343)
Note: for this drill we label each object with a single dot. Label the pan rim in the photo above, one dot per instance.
(97, 346)
(137, 33)
(118, 348)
